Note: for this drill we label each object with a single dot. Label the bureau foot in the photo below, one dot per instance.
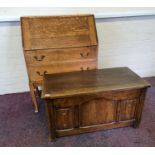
(36, 111)
(52, 139)
(32, 91)
(136, 125)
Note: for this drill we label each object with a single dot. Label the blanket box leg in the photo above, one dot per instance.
(139, 108)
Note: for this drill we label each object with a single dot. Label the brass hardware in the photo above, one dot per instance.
(82, 69)
(84, 55)
(40, 73)
(88, 68)
(41, 58)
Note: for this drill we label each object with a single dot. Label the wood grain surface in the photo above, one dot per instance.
(93, 81)
(93, 100)
(56, 44)
(58, 32)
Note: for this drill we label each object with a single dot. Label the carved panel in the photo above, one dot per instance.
(97, 111)
(64, 118)
(127, 109)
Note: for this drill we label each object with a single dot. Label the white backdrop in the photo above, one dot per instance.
(125, 41)
(13, 14)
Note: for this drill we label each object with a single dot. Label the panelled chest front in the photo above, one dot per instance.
(56, 44)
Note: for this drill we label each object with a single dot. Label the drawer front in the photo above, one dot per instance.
(36, 72)
(45, 57)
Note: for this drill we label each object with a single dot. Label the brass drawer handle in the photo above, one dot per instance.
(39, 59)
(40, 73)
(82, 69)
(84, 55)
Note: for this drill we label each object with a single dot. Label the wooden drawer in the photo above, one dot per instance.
(122, 94)
(46, 57)
(36, 72)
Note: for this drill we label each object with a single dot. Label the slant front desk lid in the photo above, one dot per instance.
(92, 81)
(47, 32)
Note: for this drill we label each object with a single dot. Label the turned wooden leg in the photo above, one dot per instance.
(32, 91)
(38, 92)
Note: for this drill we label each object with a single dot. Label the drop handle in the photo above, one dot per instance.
(40, 73)
(84, 55)
(39, 59)
(82, 69)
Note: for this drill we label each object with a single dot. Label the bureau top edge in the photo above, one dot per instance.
(56, 16)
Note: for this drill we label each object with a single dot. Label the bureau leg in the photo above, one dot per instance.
(136, 125)
(32, 91)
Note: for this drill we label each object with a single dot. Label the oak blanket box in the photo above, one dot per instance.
(86, 101)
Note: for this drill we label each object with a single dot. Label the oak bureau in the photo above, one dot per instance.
(55, 44)
(92, 100)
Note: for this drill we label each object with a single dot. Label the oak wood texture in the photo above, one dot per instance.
(50, 56)
(36, 72)
(58, 32)
(56, 44)
(93, 100)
